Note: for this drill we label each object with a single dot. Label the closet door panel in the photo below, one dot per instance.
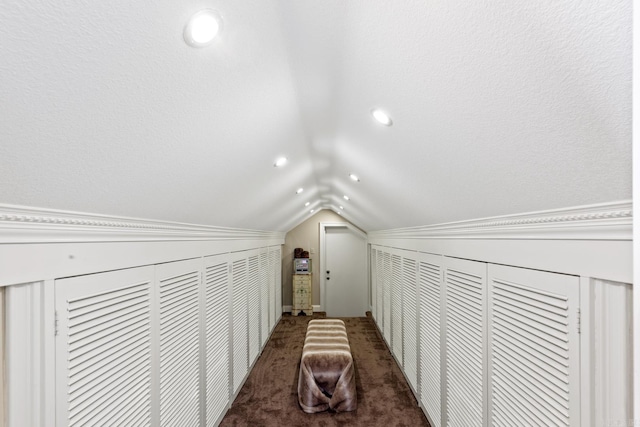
(379, 291)
(277, 254)
(410, 320)
(179, 302)
(374, 287)
(272, 288)
(103, 348)
(376, 270)
(430, 301)
(264, 298)
(239, 325)
(386, 280)
(465, 313)
(396, 307)
(217, 272)
(533, 347)
(253, 290)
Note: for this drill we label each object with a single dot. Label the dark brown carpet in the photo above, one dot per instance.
(269, 397)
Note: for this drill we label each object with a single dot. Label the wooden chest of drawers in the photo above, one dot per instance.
(301, 295)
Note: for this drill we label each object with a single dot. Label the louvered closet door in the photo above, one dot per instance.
(410, 320)
(534, 349)
(431, 309)
(386, 277)
(374, 287)
(380, 290)
(272, 288)
(277, 253)
(465, 342)
(103, 349)
(264, 298)
(217, 355)
(239, 325)
(254, 308)
(179, 297)
(396, 307)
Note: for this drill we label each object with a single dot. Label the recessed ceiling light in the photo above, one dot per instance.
(311, 211)
(202, 28)
(341, 207)
(382, 117)
(339, 213)
(307, 204)
(346, 197)
(280, 162)
(299, 190)
(354, 177)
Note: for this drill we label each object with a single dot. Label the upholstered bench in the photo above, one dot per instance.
(327, 376)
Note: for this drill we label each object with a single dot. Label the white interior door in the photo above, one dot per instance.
(345, 273)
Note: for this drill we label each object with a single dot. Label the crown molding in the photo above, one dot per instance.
(20, 224)
(605, 221)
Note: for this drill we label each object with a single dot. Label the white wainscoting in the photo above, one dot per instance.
(173, 289)
(40, 247)
(556, 284)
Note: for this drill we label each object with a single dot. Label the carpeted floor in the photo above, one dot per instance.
(269, 396)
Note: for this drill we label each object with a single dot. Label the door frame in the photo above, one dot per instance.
(323, 255)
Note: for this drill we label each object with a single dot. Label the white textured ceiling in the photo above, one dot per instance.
(499, 107)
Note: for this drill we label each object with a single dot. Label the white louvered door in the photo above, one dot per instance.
(465, 325)
(431, 304)
(410, 320)
(374, 286)
(379, 291)
(239, 325)
(217, 349)
(264, 298)
(277, 269)
(386, 278)
(179, 299)
(534, 356)
(103, 349)
(272, 288)
(254, 307)
(396, 307)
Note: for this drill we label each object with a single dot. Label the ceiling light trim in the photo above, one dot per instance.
(381, 117)
(280, 162)
(203, 28)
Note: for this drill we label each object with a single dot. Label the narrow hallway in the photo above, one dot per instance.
(269, 396)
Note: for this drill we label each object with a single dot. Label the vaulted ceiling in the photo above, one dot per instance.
(498, 107)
